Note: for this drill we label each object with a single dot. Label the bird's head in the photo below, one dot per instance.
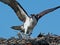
(34, 16)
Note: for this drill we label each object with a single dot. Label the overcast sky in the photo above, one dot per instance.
(48, 23)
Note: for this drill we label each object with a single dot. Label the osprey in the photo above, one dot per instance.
(29, 22)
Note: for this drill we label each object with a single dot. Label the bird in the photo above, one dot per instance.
(29, 21)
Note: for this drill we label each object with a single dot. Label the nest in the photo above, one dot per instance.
(47, 39)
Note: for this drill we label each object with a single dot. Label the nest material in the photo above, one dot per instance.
(40, 40)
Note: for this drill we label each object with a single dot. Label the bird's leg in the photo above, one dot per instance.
(20, 35)
(30, 32)
(25, 35)
(25, 30)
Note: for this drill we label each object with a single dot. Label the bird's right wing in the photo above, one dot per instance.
(21, 13)
(46, 12)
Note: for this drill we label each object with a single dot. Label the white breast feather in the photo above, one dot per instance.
(30, 22)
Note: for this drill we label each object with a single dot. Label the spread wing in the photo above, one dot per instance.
(46, 12)
(21, 13)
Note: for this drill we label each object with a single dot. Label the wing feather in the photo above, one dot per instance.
(46, 12)
(20, 12)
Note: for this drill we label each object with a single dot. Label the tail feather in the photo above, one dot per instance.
(17, 28)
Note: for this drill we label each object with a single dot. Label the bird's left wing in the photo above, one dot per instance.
(21, 13)
(46, 12)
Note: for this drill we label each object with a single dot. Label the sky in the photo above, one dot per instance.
(48, 23)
